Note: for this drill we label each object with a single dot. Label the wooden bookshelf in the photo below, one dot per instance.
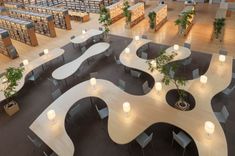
(6, 47)
(161, 15)
(79, 16)
(60, 15)
(186, 9)
(20, 30)
(86, 5)
(44, 23)
(13, 5)
(137, 14)
(115, 11)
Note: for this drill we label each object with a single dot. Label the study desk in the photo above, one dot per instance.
(145, 111)
(85, 37)
(53, 54)
(70, 68)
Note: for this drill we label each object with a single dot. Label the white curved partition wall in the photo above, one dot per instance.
(53, 54)
(70, 68)
(145, 110)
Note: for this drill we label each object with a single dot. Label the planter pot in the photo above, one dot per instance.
(182, 105)
(11, 108)
(128, 25)
(152, 30)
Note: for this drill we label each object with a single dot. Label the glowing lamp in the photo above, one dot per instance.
(209, 127)
(158, 86)
(203, 79)
(127, 50)
(176, 47)
(137, 38)
(222, 58)
(126, 107)
(25, 62)
(93, 82)
(45, 51)
(153, 63)
(51, 115)
(83, 31)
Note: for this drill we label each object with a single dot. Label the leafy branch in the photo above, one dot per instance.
(105, 19)
(219, 23)
(126, 12)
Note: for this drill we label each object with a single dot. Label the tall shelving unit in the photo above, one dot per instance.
(6, 47)
(161, 15)
(20, 30)
(61, 16)
(137, 14)
(115, 11)
(44, 23)
(13, 5)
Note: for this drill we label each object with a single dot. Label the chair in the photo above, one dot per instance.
(56, 94)
(143, 140)
(94, 74)
(144, 55)
(21, 64)
(228, 91)
(35, 75)
(121, 84)
(101, 29)
(187, 61)
(103, 113)
(51, 154)
(54, 83)
(72, 37)
(223, 115)
(118, 62)
(135, 73)
(223, 51)
(41, 54)
(146, 87)
(195, 73)
(36, 142)
(108, 53)
(96, 39)
(182, 139)
(187, 45)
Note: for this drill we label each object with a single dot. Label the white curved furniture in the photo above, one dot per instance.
(145, 111)
(84, 37)
(55, 53)
(70, 68)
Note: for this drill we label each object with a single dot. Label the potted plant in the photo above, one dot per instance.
(152, 21)
(126, 13)
(105, 20)
(163, 65)
(219, 24)
(184, 21)
(12, 76)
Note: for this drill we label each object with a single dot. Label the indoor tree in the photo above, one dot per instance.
(152, 20)
(184, 20)
(126, 12)
(219, 23)
(105, 19)
(163, 65)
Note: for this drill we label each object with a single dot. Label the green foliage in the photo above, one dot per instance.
(105, 19)
(184, 20)
(163, 65)
(219, 23)
(126, 12)
(13, 75)
(152, 19)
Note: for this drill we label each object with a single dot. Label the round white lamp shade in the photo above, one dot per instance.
(45, 51)
(83, 31)
(158, 86)
(153, 63)
(137, 38)
(93, 81)
(209, 127)
(203, 79)
(25, 62)
(51, 115)
(222, 58)
(127, 50)
(176, 47)
(126, 107)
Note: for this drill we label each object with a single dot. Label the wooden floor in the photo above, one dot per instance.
(199, 36)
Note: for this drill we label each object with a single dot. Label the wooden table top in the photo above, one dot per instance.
(70, 68)
(145, 110)
(34, 64)
(84, 37)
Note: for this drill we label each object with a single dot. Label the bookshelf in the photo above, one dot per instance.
(13, 5)
(92, 6)
(6, 47)
(115, 11)
(186, 9)
(44, 23)
(19, 30)
(35, 2)
(79, 16)
(61, 16)
(161, 15)
(137, 14)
